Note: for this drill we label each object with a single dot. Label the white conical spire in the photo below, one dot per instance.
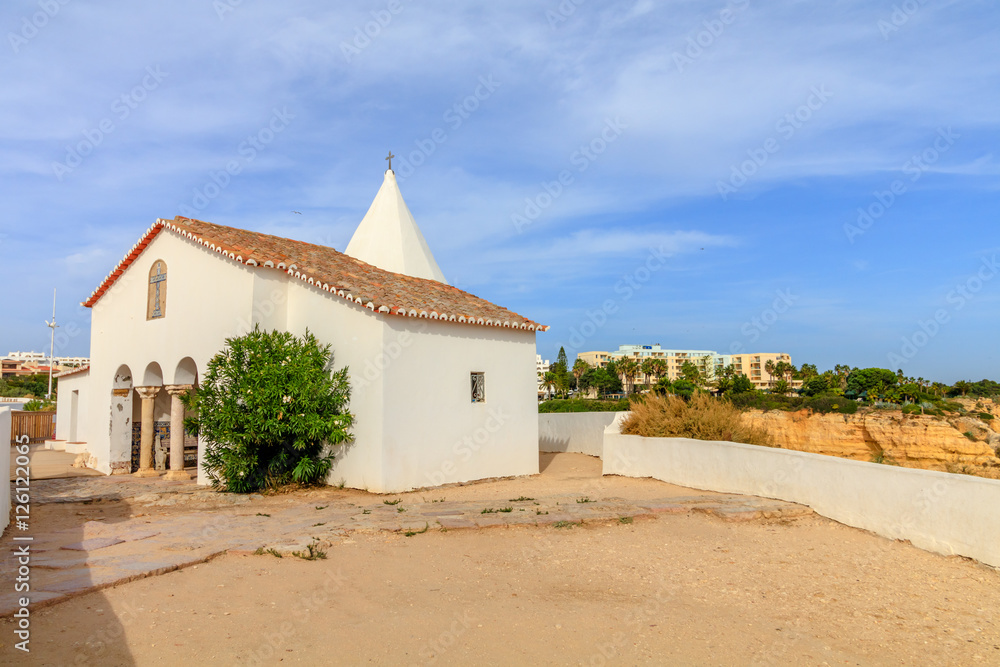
(388, 236)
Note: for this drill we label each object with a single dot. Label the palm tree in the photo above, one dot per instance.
(647, 367)
(769, 366)
(629, 368)
(549, 382)
(659, 367)
(579, 368)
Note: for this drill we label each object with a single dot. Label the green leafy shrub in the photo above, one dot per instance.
(827, 404)
(583, 405)
(912, 409)
(985, 416)
(268, 407)
(35, 405)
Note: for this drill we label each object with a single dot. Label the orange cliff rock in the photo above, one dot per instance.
(913, 441)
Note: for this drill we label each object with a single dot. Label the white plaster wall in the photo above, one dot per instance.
(937, 511)
(5, 453)
(355, 334)
(580, 432)
(209, 298)
(66, 387)
(434, 433)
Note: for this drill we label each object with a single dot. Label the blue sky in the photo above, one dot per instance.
(714, 158)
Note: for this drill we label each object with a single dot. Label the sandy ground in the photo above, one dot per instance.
(678, 589)
(50, 464)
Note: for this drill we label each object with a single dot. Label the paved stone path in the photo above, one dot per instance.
(152, 526)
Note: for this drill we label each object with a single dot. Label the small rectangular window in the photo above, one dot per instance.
(478, 387)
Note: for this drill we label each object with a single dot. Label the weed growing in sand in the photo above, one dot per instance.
(970, 436)
(538, 512)
(567, 524)
(366, 511)
(488, 510)
(624, 519)
(262, 551)
(585, 499)
(262, 514)
(393, 502)
(400, 509)
(322, 507)
(312, 552)
(315, 525)
(522, 499)
(411, 533)
(506, 509)
(701, 418)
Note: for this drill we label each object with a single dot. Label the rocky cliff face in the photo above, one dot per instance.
(913, 441)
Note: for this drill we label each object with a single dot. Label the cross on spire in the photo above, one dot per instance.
(390, 160)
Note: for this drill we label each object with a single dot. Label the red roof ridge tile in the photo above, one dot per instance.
(332, 271)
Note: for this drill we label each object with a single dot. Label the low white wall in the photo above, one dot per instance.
(937, 511)
(580, 432)
(5, 451)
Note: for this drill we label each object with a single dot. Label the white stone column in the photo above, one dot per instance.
(148, 395)
(177, 471)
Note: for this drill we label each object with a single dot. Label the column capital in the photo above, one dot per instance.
(148, 392)
(178, 389)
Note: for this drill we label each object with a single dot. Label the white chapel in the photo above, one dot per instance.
(443, 384)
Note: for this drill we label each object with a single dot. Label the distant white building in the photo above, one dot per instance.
(541, 368)
(41, 357)
(441, 387)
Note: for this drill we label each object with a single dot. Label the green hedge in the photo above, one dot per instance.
(582, 405)
(820, 404)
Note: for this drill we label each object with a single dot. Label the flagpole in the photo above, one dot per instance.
(52, 344)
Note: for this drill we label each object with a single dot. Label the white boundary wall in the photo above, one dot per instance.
(5, 450)
(579, 432)
(937, 511)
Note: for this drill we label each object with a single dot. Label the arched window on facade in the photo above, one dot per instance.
(156, 298)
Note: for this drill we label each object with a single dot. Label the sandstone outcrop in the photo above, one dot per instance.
(913, 441)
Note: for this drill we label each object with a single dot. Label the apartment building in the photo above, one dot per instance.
(709, 362)
(541, 368)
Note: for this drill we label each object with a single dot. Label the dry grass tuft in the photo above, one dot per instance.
(703, 418)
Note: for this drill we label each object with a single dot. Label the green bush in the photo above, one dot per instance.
(827, 404)
(35, 405)
(985, 416)
(583, 405)
(268, 407)
(912, 409)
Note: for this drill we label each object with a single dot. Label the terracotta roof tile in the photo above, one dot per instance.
(332, 271)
